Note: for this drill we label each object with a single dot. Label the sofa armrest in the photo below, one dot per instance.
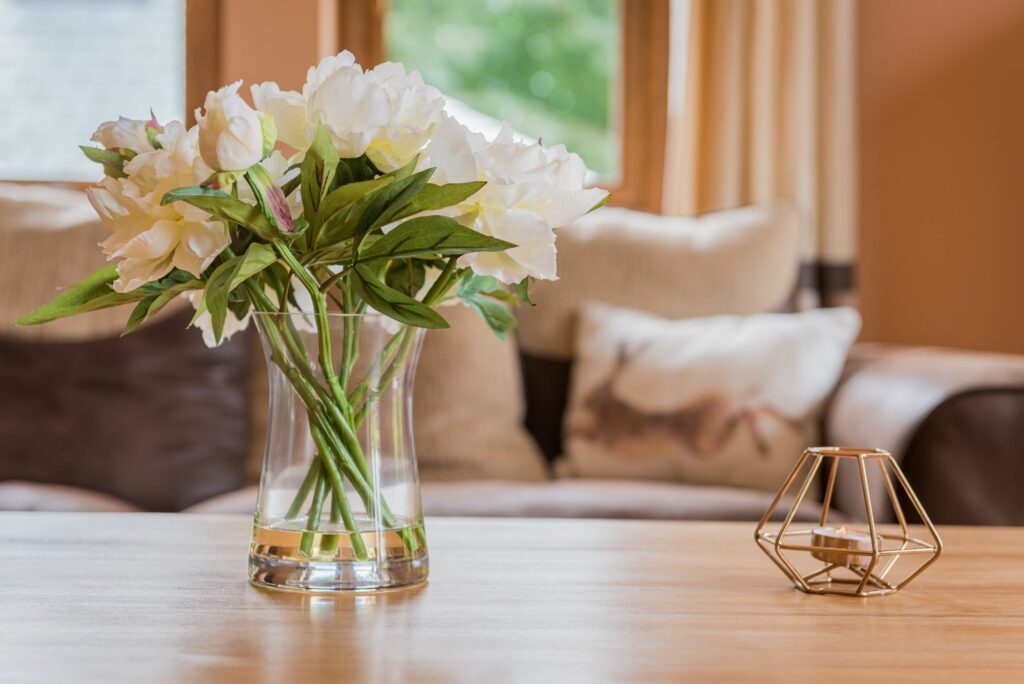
(954, 420)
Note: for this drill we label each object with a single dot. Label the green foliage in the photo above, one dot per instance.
(523, 291)
(161, 296)
(91, 294)
(228, 276)
(488, 298)
(407, 276)
(392, 303)
(549, 68)
(316, 176)
(113, 162)
(433, 197)
(431, 235)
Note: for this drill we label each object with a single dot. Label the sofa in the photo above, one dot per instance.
(155, 421)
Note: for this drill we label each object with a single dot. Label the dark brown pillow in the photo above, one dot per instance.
(154, 418)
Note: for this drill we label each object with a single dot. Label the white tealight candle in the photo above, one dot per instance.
(844, 540)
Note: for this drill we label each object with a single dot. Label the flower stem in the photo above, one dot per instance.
(313, 518)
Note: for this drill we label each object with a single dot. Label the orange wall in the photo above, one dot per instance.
(941, 108)
(272, 40)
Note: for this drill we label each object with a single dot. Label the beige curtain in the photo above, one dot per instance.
(767, 112)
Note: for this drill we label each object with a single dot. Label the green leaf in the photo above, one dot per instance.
(403, 195)
(431, 236)
(139, 314)
(407, 276)
(91, 294)
(523, 291)
(113, 162)
(473, 284)
(317, 174)
(433, 197)
(393, 303)
(224, 207)
(151, 305)
(494, 313)
(345, 195)
(389, 201)
(355, 170)
(228, 276)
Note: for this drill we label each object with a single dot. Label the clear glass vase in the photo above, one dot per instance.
(339, 500)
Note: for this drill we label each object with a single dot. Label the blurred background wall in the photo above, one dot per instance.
(941, 141)
(941, 152)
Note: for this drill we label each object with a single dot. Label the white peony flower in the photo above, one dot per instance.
(530, 191)
(123, 134)
(230, 131)
(151, 239)
(204, 322)
(415, 111)
(386, 113)
(175, 165)
(288, 109)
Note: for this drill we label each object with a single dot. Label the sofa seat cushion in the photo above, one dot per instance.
(570, 499)
(16, 495)
(602, 499)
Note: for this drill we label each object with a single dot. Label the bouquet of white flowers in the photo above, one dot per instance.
(358, 194)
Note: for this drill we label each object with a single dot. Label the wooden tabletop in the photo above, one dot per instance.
(163, 598)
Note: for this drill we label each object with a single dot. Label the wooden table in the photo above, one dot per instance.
(163, 598)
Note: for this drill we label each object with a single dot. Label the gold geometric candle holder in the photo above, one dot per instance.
(842, 560)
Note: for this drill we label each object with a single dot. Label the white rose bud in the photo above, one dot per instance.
(122, 135)
(230, 131)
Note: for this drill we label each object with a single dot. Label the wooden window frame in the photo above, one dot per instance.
(642, 90)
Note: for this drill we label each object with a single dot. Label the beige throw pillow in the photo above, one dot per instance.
(723, 400)
(468, 406)
(737, 261)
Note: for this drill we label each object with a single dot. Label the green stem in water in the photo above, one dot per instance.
(338, 491)
(313, 518)
(302, 493)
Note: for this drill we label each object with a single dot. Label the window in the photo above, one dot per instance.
(68, 65)
(548, 68)
(590, 73)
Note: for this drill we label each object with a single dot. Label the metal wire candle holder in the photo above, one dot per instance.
(859, 571)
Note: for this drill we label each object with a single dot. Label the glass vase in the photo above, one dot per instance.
(339, 500)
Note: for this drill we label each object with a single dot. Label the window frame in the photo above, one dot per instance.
(642, 91)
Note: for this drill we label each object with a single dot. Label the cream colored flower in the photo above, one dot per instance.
(230, 131)
(415, 111)
(386, 113)
(150, 239)
(530, 191)
(123, 134)
(176, 164)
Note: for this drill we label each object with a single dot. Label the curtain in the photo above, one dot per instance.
(766, 112)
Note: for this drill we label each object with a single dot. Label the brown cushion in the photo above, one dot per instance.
(154, 418)
(966, 459)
